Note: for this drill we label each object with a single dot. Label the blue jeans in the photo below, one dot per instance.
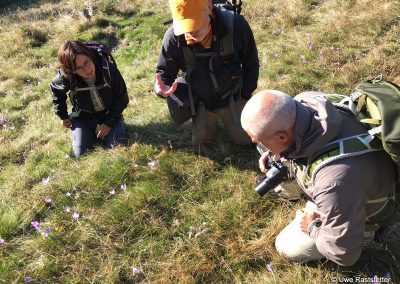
(84, 134)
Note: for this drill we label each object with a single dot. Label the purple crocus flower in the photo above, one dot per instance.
(112, 191)
(48, 201)
(36, 225)
(135, 271)
(68, 210)
(309, 44)
(153, 164)
(45, 180)
(46, 233)
(123, 187)
(388, 276)
(3, 120)
(2, 241)
(75, 216)
(28, 279)
(269, 267)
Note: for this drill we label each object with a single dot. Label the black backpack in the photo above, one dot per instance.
(104, 51)
(233, 5)
(182, 107)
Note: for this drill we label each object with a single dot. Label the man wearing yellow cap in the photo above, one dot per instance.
(216, 53)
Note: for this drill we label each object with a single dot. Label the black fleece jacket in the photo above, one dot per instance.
(115, 97)
(171, 60)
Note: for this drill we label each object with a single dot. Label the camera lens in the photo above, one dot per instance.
(275, 175)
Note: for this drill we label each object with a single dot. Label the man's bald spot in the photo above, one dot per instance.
(268, 110)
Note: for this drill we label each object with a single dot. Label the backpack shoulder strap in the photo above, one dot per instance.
(105, 70)
(337, 150)
(226, 43)
(190, 63)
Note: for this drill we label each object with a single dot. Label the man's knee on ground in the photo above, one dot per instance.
(243, 139)
(79, 151)
(198, 140)
(296, 246)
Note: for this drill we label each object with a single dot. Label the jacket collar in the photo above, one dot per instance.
(317, 123)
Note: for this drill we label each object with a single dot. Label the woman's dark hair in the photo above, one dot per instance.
(67, 55)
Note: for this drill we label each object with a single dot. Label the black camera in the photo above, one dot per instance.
(277, 173)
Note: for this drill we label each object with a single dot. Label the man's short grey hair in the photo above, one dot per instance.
(279, 115)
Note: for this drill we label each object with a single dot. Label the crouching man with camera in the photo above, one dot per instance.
(349, 198)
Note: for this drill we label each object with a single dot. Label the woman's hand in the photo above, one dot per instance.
(67, 123)
(103, 131)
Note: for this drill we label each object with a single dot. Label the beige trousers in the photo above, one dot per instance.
(296, 245)
(206, 134)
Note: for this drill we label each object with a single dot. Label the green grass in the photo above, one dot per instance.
(196, 217)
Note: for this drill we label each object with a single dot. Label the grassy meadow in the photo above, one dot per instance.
(158, 210)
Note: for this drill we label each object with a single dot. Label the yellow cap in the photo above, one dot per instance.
(188, 15)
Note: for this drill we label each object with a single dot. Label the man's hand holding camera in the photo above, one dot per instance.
(263, 161)
(275, 172)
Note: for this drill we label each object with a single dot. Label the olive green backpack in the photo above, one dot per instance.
(375, 103)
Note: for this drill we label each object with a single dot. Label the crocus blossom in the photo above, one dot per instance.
(309, 44)
(153, 164)
(135, 271)
(75, 216)
(46, 232)
(48, 201)
(36, 225)
(269, 267)
(46, 180)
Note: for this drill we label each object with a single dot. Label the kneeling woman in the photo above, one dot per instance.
(98, 94)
